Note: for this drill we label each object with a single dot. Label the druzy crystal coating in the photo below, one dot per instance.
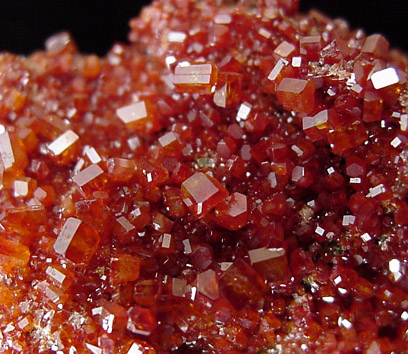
(232, 181)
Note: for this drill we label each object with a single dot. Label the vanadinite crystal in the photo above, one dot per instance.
(232, 181)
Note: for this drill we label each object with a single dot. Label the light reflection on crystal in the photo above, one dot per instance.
(384, 78)
(133, 112)
(6, 151)
(281, 63)
(87, 175)
(63, 142)
(263, 253)
(176, 36)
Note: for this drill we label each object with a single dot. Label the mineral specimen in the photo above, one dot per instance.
(232, 181)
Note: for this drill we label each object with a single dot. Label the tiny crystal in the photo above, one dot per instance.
(243, 111)
(296, 95)
(201, 193)
(125, 223)
(207, 284)
(197, 78)
(384, 78)
(87, 175)
(63, 142)
(133, 112)
(92, 154)
(285, 49)
(348, 220)
(277, 69)
(76, 241)
(175, 36)
(6, 151)
(222, 19)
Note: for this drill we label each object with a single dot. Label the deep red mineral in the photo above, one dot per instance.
(233, 181)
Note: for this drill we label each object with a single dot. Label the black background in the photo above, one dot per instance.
(97, 24)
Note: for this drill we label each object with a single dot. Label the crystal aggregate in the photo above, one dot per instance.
(234, 180)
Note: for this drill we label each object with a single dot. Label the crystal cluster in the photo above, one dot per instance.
(232, 181)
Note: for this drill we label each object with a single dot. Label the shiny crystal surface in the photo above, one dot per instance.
(233, 180)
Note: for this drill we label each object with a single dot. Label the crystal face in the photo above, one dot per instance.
(233, 180)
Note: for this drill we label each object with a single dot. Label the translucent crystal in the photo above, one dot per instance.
(241, 285)
(140, 116)
(265, 33)
(315, 127)
(373, 106)
(112, 317)
(124, 268)
(141, 321)
(178, 287)
(20, 188)
(139, 347)
(207, 284)
(6, 151)
(92, 154)
(201, 193)
(29, 218)
(270, 262)
(125, 223)
(132, 113)
(13, 254)
(60, 276)
(376, 45)
(150, 175)
(63, 142)
(348, 220)
(284, 49)
(396, 142)
(52, 293)
(176, 36)
(310, 46)
(93, 349)
(58, 42)
(161, 223)
(296, 62)
(87, 175)
(280, 64)
(120, 170)
(140, 215)
(202, 257)
(296, 95)
(232, 212)
(228, 90)
(76, 241)
(147, 292)
(170, 144)
(404, 122)
(223, 18)
(195, 78)
(264, 254)
(187, 246)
